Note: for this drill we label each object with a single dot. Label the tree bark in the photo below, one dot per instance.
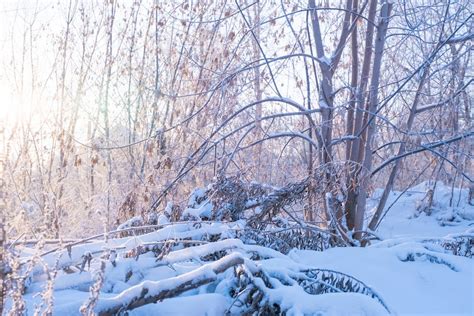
(355, 146)
(372, 107)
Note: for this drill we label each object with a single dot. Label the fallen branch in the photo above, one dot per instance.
(153, 291)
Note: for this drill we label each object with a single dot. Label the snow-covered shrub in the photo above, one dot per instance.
(244, 262)
(126, 273)
(231, 197)
(460, 245)
(88, 307)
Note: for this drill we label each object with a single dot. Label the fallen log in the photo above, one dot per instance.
(154, 291)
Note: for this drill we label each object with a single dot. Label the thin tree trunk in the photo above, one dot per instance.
(326, 95)
(258, 89)
(356, 145)
(352, 102)
(108, 65)
(354, 77)
(62, 133)
(3, 209)
(371, 128)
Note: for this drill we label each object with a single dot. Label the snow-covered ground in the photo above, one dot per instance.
(402, 220)
(409, 269)
(417, 287)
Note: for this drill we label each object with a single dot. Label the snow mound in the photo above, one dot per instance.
(410, 214)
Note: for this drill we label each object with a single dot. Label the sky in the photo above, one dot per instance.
(15, 16)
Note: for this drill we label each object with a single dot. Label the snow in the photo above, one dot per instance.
(199, 212)
(409, 269)
(134, 221)
(443, 287)
(198, 251)
(331, 304)
(198, 205)
(210, 304)
(325, 60)
(162, 220)
(403, 221)
(409, 287)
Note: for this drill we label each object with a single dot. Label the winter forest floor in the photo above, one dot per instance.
(215, 157)
(421, 266)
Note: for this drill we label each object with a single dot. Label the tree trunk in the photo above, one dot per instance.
(372, 107)
(3, 209)
(356, 145)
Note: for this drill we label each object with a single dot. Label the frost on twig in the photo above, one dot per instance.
(94, 292)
